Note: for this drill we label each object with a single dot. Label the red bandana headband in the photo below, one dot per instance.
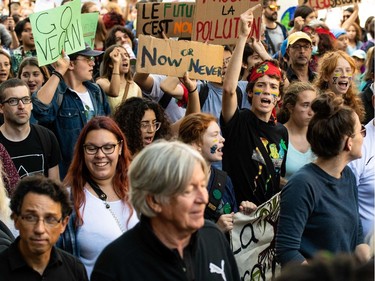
(265, 68)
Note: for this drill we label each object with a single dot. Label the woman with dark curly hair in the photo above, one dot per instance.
(121, 36)
(142, 121)
(335, 73)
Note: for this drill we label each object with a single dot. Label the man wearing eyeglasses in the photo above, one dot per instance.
(299, 50)
(40, 210)
(275, 32)
(33, 148)
(69, 99)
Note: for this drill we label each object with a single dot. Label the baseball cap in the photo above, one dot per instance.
(338, 32)
(299, 35)
(88, 52)
(359, 54)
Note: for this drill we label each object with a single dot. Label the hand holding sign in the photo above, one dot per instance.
(62, 64)
(247, 20)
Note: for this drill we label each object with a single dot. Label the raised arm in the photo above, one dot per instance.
(47, 91)
(352, 18)
(234, 67)
(112, 88)
(171, 86)
(144, 81)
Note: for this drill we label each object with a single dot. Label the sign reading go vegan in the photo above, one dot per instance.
(57, 29)
(174, 58)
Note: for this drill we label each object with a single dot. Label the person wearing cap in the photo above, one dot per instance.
(255, 144)
(299, 50)
(68, 100)
(275, 32)
(359, 57)
(341, 39)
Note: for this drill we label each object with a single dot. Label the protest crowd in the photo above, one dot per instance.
(206, 140)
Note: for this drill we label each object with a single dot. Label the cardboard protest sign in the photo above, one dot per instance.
(175, 19)
(218, 22)
(89, 23)
(325, 4)
(56, 30)
(253, 241)
(174, 58)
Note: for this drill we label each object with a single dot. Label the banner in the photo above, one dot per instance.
(218, 22)
(253, 241)
(174, 58)
(56, 30)
(175, 19)
(325, 4)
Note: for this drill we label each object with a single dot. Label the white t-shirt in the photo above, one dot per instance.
(87, 104)
(100, 227)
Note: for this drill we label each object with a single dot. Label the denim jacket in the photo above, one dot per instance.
(65, 116)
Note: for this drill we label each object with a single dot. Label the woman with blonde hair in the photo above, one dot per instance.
(335, 73)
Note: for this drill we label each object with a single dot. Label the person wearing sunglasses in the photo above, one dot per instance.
(69, 99)
(98, 183)
(275, 32)
(40, 211)
(319, 204)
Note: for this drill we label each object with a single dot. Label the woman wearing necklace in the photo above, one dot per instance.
(97, 178)
(116, 78)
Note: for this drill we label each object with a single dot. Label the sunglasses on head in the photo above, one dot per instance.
(273, 7)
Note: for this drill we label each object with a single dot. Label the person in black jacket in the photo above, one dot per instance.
(172, 241)
(6, 237)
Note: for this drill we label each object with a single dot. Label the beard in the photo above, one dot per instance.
(271, 17)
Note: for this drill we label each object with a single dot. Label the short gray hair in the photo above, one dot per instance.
(163, 170)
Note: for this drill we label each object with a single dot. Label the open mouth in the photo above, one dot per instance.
(148, 140)
(266, 101)
(343, 84)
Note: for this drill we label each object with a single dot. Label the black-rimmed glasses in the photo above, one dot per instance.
(16, 101)
(107, 149)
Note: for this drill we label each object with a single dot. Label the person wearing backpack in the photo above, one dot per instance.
(33, 148)
(68, 100)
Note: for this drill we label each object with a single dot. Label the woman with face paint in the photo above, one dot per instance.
(335, 73)
(202, 132)
(319, 204)
(296, 113)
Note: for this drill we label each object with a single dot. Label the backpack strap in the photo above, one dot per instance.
(215, 195)
(165, 100)
(203, 94)
(46, 143)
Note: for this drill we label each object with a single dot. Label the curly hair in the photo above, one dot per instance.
(326, 67)
(128, 116)
(78, 172)
(111, 37)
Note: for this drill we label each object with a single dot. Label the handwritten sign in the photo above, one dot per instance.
(325, 4)
(56, 30)
(218, 21)
(89, 24)
(175, 19)
(253, 241)
(173, 58)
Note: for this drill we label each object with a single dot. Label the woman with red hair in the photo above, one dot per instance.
(98, 182)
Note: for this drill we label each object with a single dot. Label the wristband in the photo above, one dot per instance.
(190, 92)
(58, 74)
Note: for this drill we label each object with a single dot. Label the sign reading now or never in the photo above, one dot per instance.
(57, 29)
(325, 4)
(174, 58)
(175, 19)
(218, 21)
(89, 23)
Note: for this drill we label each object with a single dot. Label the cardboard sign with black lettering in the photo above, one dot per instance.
(175, 19)
(325, 4)
(218, 22)
(174, 58)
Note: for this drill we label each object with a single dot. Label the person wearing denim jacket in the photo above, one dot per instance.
(68, 100)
